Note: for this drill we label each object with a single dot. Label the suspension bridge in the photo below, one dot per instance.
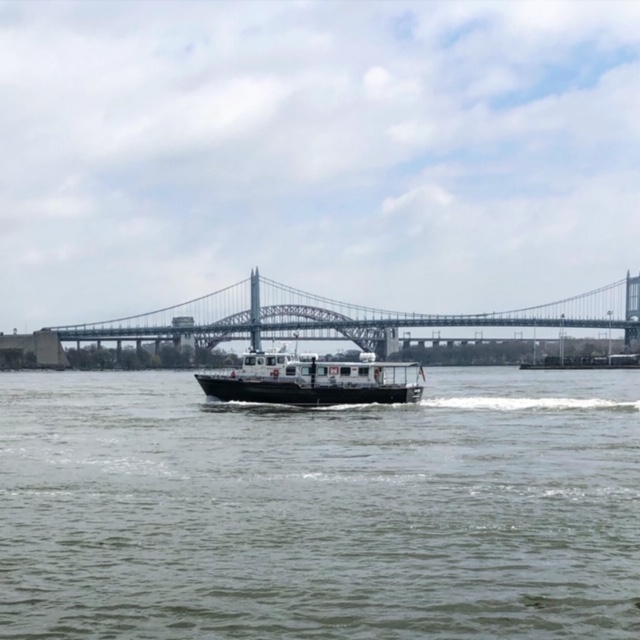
(259, 308)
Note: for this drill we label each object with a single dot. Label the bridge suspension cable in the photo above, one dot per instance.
(590, 305)
(232, 298)
(297, 296)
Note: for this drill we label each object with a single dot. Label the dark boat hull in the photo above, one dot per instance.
(291, 393)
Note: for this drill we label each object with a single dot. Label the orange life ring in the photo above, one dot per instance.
(275, 373)
(376, 375)
(233, 373)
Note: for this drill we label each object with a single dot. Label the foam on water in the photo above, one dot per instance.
(216, 405)
(527, 404)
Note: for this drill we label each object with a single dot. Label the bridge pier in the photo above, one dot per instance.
(44, 347)
(632, 309)
(390, 344)
(138, 347)
(119, 351)
(630, 335)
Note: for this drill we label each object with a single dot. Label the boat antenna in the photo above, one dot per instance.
(296, 335)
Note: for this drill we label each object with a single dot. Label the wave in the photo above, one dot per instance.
(528, 404)
(471, 403)
(214, 406)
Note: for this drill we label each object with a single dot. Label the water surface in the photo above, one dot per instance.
(506, 505)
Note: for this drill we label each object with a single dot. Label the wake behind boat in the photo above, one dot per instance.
(280, 377)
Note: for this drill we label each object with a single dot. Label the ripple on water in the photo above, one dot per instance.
(501, 507)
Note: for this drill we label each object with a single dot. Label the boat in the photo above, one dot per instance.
(614, 361)
(279, 376)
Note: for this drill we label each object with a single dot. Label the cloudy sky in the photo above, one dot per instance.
(430, 157)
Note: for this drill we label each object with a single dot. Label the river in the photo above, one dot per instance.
(505, 505)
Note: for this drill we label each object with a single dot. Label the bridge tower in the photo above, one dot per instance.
(256, 342)
(390, 344)
(633, 307)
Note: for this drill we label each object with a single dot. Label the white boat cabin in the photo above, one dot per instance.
(306, 368)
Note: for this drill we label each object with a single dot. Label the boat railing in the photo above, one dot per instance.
(225, 372)
(321, 381)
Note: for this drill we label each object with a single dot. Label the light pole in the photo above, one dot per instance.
(562, 340)
(609, 313)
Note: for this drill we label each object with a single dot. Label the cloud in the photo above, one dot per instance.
(424, 196)
(156, 151)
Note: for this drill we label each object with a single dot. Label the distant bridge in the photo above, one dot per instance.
(259, 308)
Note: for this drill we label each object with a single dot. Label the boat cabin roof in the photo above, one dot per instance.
(274, 357)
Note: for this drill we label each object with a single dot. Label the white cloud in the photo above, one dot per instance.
(59, 206)
(174, 146)
(420, 197)
(376, 80)
(367, 248)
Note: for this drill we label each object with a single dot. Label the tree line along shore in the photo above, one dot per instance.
(168, 356)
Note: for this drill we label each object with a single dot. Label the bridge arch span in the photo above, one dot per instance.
(366, 338)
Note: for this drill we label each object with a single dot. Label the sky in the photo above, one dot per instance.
(430, 157)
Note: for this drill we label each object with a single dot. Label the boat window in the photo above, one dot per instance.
(363, 371)
(321, 371)
(271, 361)
(396, 375)
(249, 362)
(345, 371)
(280, 359)
(305, 371)
(290, 371)
(260, 360)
